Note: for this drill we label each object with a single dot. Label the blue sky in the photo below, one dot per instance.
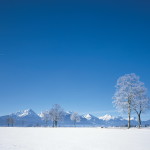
(70, 53)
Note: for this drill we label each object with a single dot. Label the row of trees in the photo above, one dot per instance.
(10, 121)
(56, 114)
(131, 96)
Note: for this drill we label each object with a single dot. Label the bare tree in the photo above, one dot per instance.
(46, 117)
(56, 114)
(75, 118)
(10, 121)
(125, 94)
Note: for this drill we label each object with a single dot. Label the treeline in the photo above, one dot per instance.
(56, 113)
(130, 98)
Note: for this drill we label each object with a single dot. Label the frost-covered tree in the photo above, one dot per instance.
(141, 103)
(10, 121)
(46, 117)
(126, 91)
(56, 114)
(75, 118)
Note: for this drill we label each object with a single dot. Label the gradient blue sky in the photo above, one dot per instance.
(70, 53)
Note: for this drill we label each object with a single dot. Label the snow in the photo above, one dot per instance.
(74, 139)
(87, 116)
(106, 117)
(41, 115)
(26, 113)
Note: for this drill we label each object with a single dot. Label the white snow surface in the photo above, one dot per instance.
(73, 139)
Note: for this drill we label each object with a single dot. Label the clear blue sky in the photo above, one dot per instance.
(70, 52)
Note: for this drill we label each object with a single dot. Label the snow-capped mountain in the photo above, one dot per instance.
(88, 116)
(119, 121)
(106, 117)
(92, 120)
(23, 118)
(27, 112)
(30, 118)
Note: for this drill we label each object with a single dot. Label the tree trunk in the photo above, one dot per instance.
(55, 123)
(75, 123)
(46, 123)
(129, 124)
(139, 120)
(129, 116)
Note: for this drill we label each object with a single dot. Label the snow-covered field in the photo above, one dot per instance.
(74, 139)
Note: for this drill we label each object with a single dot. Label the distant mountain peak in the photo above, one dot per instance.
(106, 117)
(25, 113)
(29, 118)
(69, 112)
(88, 116)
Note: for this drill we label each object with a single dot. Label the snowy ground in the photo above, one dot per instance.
(74, 139)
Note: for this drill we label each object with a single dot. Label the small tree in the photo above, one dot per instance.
(75, 118)
(10, 121)
(56, 114)
(125, 94)
(46, 117)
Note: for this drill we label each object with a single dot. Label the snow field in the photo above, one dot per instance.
(73, 139)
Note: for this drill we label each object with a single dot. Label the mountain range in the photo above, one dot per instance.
(28, 118)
